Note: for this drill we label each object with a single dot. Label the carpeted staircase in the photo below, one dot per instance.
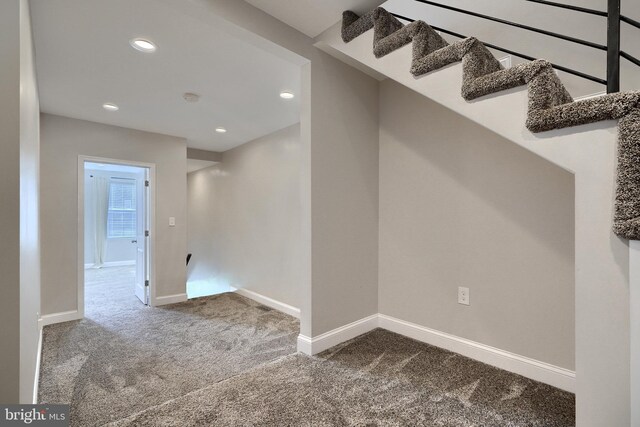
(550, 104)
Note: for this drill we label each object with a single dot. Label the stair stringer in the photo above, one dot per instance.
(601, 258)
(504, 113)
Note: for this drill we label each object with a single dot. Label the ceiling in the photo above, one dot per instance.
(84, 59)
(312, 17)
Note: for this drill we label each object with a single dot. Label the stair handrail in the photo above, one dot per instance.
(614, 53)
(512, 52)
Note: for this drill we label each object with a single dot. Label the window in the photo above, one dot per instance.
(121, 219)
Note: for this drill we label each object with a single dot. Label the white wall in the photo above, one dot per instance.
(344, 194)
(10, 196)
(245, 220)
(339, 177)
(601, 258)
(19, 230)
(63, 140)
(462, 206)
(29, 208)
(119, 250)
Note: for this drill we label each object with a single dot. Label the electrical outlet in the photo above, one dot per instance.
(463, 296)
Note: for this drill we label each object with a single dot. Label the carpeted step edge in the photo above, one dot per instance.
(441, 58)
(354, 25)
(550, 105)
(612, 106)
(626, 220)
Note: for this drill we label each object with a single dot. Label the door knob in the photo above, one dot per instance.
(134, 241)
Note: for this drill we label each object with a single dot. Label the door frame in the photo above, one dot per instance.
(151, 206)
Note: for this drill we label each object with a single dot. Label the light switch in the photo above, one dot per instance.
(172, 221)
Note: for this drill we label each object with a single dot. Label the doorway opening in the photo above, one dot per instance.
(116, 204)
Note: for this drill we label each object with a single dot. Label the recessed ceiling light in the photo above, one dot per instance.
(286, 95)
(110, 106)
(143, 45)
(221, 130)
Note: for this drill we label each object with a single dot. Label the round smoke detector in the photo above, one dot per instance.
(191, 97)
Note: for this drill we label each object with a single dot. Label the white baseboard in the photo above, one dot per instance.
(112, 264)
(534, 369)
(65, 316)
(556, 376)
(336, 336)
(269, 302)
(36, 380)
(169, 299)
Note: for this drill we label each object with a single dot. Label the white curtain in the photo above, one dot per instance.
(101, 209)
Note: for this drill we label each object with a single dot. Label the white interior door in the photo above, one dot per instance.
(142, 239)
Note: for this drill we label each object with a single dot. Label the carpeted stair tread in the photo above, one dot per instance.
(550, 104)
(626, 219)
(353, 25)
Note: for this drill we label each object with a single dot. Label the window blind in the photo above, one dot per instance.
(121, 219)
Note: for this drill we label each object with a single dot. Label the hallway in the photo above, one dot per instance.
(109, 290)
(125, 357)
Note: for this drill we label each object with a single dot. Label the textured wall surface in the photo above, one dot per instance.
(461, 206)
(63, 140)
(245, 218)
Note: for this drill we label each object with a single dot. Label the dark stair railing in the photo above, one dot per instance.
(614, 53)
(512, 52)
(613, 46)
(624, 54)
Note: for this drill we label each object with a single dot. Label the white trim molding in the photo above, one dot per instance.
(634, 329)
(534, 369)
(111, 264)
(36, 380)
(65, 316)
(269, 302)
(315, 345)
(169, 299)
(543, 372)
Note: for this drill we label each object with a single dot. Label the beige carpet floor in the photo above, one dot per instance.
(125, 357)
(228, 361)
(378, 379)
